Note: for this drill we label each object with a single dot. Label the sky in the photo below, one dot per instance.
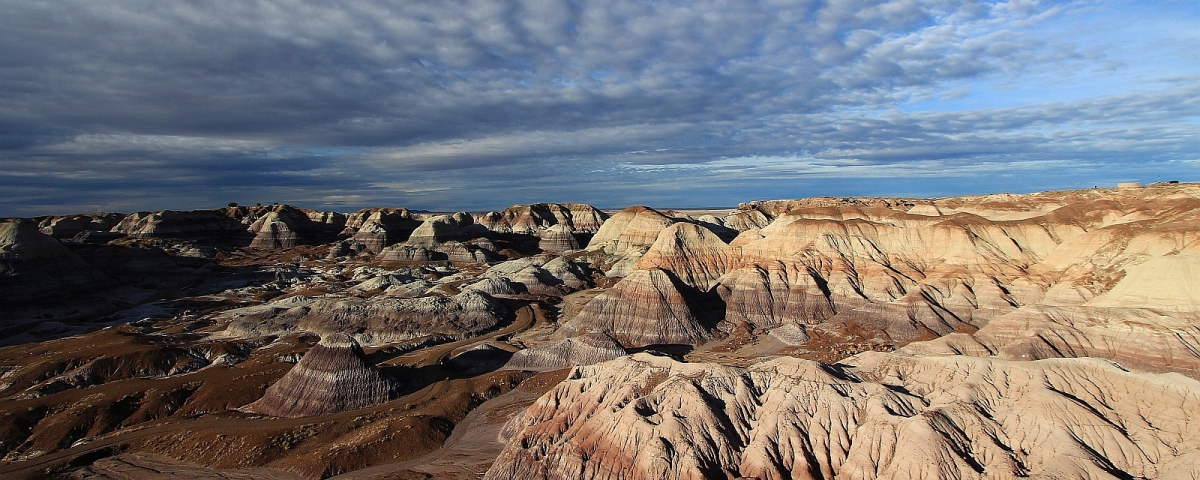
(135, 105)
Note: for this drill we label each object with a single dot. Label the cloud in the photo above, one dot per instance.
(448, 104)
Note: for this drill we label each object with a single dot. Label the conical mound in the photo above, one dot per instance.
(645, 308)
(333, 377)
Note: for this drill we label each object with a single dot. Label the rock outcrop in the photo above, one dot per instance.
(891, 276)
(285, 226)
(378, 228)
(498, 286)
(388, 217)
(278, 229)
(33, 265)
(532, 219)
(465, 252)
(375, 321)
(195, 224)
(582, 350)
(446, 228)
(767, 296)
(408, 253)
(374, 237)
(334, 376)
(633, 228)
(645, 308)
(747, 217)
(877, 416)
(267, 226)
(696, 255)
(1147, 339)
(558, 238)
(541, 275)
(68, 226)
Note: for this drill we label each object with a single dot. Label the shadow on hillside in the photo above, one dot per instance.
(128, 281)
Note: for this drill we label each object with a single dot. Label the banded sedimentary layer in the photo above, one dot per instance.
(878, 416)
(374, 321)
(898, 269)
(581, 350)
(334, 376)
(532, 219)
(645, 308)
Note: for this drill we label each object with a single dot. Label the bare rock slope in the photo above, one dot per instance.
(645, 308)
(531, 219)
(34, 265)
(332, 377)
(899, 270)
(373, 321)
(582, 350)
(879, 416)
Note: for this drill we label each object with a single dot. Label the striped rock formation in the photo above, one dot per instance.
(378, 228)
(952, 266)
(540, 275)
(188, 224)
(645, 308)
(532, 219)
(68, 226)
(878, 416)
(334, 376)
(374, 321)
(389, 217)
(285, 226)
(696, 255)
(581, 350)
(557, 238)
(406, 253)
(1147, 339)
(446, 228)
(633, 228)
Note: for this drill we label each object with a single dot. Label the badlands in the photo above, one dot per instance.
(1046, 335)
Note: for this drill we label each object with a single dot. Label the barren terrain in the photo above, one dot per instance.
(1051, 335)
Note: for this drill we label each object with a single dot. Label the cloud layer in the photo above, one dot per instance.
(128, 105)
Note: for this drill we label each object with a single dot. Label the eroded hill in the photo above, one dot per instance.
(1000, 336)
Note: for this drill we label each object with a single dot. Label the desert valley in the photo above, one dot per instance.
(1044, 335)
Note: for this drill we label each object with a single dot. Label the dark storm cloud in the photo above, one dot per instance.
(146, 104)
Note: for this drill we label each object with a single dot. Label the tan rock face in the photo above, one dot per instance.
(532, 219)
(749, 218)
(385, 216)
(558, 238)
(285, 226)
(1139, 338)
(951, 266)
(378, 228)
(269, 226)
(332, 377)
(633, 228)
(463, 252)
(445, 228)
(765, 296)
(406, 253)
(540, 275)
(693, 253)
(581, 350)
(881, 416)
(645, 308)
(278, 229)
